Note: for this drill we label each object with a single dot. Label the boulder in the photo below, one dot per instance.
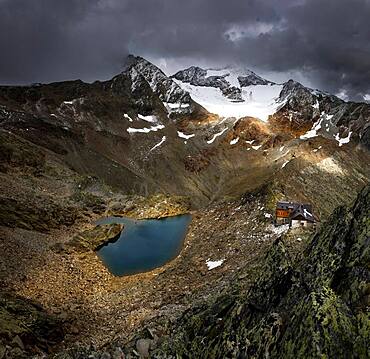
(142, 346)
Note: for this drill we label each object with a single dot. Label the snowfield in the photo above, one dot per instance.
(259, 100)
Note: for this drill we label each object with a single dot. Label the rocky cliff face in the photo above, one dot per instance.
(167, 90)
(313, 306)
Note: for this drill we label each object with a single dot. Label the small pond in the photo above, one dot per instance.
(144, 244)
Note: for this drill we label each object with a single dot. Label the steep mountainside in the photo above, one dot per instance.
(142, 133)
(320, 113)
(313, 306)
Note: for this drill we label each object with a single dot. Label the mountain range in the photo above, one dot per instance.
(223, 143)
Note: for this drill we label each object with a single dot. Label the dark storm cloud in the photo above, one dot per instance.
(48, 40)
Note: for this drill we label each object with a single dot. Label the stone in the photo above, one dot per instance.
(142, 346)
(18, 341)
(118, 354)
(63, 316)
(2, 351)
(16, 353)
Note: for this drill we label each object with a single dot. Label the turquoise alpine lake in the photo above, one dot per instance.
(143, 244)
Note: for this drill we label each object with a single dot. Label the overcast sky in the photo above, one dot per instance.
(323, 43)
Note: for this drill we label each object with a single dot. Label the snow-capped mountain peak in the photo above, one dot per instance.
(220, 77)
(230, 92)
(167, 90)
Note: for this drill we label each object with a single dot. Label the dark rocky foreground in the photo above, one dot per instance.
(314, 307)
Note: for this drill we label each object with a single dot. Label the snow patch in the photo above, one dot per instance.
(214, 264)
(256, 147)
(175, 106)
(344, 140)
(183, 135)
(128, 117)
(150, 119)
(234, 141)
(68, 102)
(313, 132)
(158, 144)
(316, 106)
(145, 129)
(316, 126)
(285, 163)
(216, 135)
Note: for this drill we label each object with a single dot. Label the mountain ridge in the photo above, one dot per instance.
(72, 152)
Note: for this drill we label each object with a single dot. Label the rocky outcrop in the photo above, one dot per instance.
(26, 328)
(162, 85)
(155, 206)
(193, 75)
(198, 77)
(312, 307)
(249, 78)
(93, 239)
(40, 217)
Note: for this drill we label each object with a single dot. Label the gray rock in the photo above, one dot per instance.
(142, 346)
(118, 354)
(106, 355)
(16, 353)
(18, 342)
(2, 351)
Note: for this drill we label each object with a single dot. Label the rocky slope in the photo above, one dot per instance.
(313, 306)
(308, 112)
